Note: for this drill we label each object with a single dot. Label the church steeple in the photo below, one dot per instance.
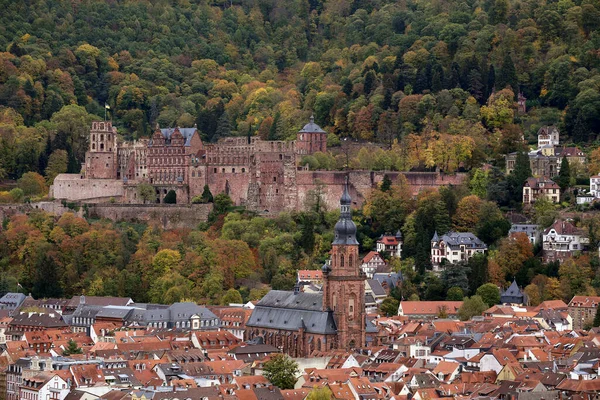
(345, 228)
(344, 281)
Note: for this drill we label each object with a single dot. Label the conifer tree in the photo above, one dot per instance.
(564, 176)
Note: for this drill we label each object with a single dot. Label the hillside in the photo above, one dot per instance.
(416, 72)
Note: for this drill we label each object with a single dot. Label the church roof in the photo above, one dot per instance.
(311, 127)
(285, 310)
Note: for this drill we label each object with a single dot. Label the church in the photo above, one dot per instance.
(299, 323)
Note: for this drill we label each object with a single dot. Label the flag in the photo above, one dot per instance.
(106, 106)
(19, 285)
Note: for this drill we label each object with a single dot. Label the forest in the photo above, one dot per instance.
(414, 85)
(433, 83)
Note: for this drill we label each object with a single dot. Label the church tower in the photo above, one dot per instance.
(344, 281)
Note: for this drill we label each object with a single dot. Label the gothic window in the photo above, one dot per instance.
(350, 260)
(341, 260)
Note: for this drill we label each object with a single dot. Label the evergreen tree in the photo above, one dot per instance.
(564, 176)
(207, 196)
(370, 82)
(386, 183)
(72, 349)
(491, 82)
(170, 198)
(223, 127)
(273, 129)
(597, 318)
(508, 75)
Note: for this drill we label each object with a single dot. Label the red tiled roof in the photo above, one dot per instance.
(585, 301)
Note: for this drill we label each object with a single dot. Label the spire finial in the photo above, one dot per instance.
(312, 118)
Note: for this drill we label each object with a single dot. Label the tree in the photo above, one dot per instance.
(170, 198)
(32, 184)
(455, 294)
(489, 293)
(564, 176)
(389, 306)
(206, 196)
(386, 183)
(507, 76)
(146, 192)
(471, 307)
(467, 213)
(231, 296)
(597, 318)
(320, 393)
(72, 348)
(281, 371)
(57, 164)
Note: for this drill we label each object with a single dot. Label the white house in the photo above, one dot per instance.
(562, 240)
(548, 136)
(496, 360)
(44, 386)
(391, 244)
(595, 185)
(371, 262)
(454, 247)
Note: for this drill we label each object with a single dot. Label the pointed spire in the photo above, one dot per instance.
(436, 238)
(345, 228)
(312, 118)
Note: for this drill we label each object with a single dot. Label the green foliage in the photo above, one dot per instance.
(455, 294)
(231, 296)
(32, 184)
(320, 393)
(389, 306)
(472, 306)
(72, 349)
(146, 193)
(596, 322)
(170, 197)
(281, 371)
(489, 293)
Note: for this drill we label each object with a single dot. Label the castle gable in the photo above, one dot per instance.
(187, 134)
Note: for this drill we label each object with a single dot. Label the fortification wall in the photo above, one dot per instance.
(330, 184)
(52, 207)
(75, 187)
(169, 216)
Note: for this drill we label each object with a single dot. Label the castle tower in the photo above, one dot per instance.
(522, 103)
(101, 158)
(344, 281)
(311, 138)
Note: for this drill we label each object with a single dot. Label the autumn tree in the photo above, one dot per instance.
(32, 184)
(512, 252)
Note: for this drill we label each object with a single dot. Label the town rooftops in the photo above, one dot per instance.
(310, 274)
(585, 301)
(429, 307)
(562, 227)
(541, 182)
(10, 301)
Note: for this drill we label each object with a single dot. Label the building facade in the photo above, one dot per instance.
(536, 188)
(583, 310)
(562, 240)
(454, 247)
(391, 244)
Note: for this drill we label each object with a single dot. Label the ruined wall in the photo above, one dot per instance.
(169, 216)
(52, 207)
(74, 187)
(330, 184)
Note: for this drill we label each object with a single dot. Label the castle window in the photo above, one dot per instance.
(233, 170)
(243, 169)
(93, 138)
(93, 146)
(215, 170)
(274, 179)
(101, 138)
(223, 170)
(101, 146)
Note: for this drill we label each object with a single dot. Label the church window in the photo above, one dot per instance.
(350, 260)
(341, 260)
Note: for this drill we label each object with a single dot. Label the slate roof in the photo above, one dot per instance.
(376, 287)
(10, 301)
(513, 294)
(187, 134)
(390, 278)
(285, 310)
(456, 239)
(311, 127)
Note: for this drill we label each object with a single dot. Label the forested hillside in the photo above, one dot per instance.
(417, 72)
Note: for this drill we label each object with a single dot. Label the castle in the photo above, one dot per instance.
(262, 175)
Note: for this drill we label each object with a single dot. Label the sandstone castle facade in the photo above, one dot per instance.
(262, 175)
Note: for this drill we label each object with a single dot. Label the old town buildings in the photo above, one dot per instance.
(454, 247)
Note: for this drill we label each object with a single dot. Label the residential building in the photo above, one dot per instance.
(429, 309)
(595, 185)
(308, 276)
(44, 386)
(573, 154)
(583, 310)
(548, 136)
(536, 188)
(562, 240)
(11, 301)
(391, 244)
(454, 247)
(372, 263)
(533, 231)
